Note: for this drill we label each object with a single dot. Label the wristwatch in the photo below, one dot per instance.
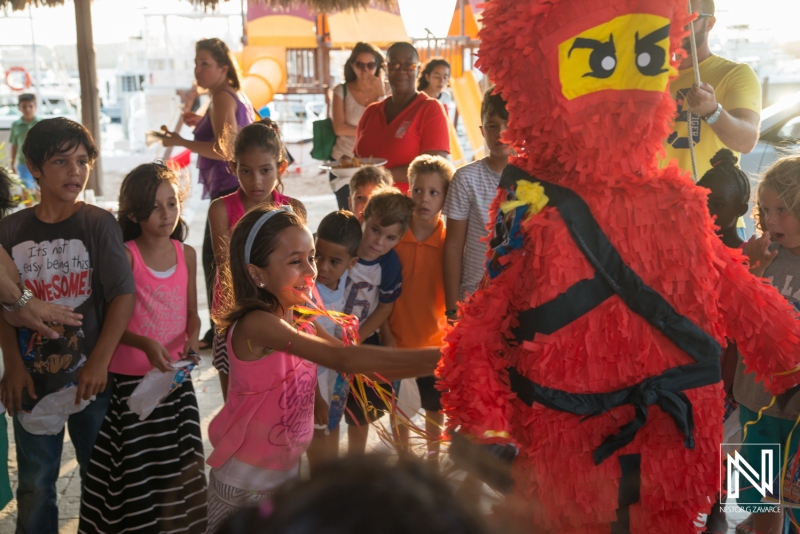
(714, 117)
(23, 300)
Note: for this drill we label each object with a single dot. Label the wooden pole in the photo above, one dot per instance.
(463, 17)
(90, 99)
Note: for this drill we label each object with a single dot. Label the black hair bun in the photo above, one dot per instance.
(724, 157)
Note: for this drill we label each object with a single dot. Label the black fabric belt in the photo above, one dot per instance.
(613, 277)
(611, 269)
(630, 484)
(665, 390)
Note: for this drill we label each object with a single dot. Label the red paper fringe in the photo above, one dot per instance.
(658, 221)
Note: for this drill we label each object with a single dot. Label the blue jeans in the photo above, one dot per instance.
(39, 462)
(26, 176)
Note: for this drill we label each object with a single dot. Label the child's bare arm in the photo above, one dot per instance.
(374, 321)
(265, 330)
(386, 335)
(13, 154)
(324, 334)
(92, 377)
(15, 377)
(220, 232)
(452, 260)
(321, 408)
(157, 354)
(192, 317)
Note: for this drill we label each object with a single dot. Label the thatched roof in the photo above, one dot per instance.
(323, 6)
(17, 5)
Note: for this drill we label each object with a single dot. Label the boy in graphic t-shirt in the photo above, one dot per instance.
(372, 287)
(337, 240)
(57, 247)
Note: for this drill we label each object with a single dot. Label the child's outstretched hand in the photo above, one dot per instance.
(158, 355)
(757, 250)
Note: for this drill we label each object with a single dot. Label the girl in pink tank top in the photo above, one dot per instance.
(259, 163)
(148, 474)
(268, 418)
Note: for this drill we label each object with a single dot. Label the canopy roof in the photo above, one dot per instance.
(376, 26)
(295, 27)
(321, 6)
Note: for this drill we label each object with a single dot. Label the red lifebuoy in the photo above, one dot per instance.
(26, 84)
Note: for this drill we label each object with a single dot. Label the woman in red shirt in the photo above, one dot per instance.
(406, 124)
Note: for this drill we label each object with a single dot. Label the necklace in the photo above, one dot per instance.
(361, 96)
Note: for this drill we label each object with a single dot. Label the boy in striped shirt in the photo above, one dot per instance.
(467, 207)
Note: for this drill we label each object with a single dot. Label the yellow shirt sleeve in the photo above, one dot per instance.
(740, 89)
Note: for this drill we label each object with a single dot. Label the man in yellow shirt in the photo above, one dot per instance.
(726, 106)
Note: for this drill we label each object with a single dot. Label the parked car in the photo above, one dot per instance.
(780, 135)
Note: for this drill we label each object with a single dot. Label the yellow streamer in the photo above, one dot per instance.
(789, 372)
(760, 413)
(785, 448)
(786, 452)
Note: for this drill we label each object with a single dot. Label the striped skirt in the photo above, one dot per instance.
(225, 500)
(220, 350)
(146, 476)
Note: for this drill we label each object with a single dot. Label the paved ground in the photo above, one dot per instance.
(307, 185)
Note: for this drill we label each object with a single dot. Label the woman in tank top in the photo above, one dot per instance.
(363, 85)
(217, 72)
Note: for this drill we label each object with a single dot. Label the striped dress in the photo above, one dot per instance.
(148, 476)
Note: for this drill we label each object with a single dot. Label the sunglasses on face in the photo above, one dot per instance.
(405, 66)
(365, 66)
(701, 16)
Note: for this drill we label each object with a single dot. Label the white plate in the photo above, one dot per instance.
(350, 171)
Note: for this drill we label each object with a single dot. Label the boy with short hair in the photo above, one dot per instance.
(372, 288)
(467, 206)
(418, 318)
(364, 183)
(337, 240)
(58, 246)
(26, 103)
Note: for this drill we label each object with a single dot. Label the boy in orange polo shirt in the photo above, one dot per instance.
(418, 318)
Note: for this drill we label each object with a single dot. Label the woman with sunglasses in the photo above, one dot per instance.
(405, 125)
(363, 85)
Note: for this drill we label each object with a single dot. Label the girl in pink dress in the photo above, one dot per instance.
(259, 160)
(268, 419)
(148, 474)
